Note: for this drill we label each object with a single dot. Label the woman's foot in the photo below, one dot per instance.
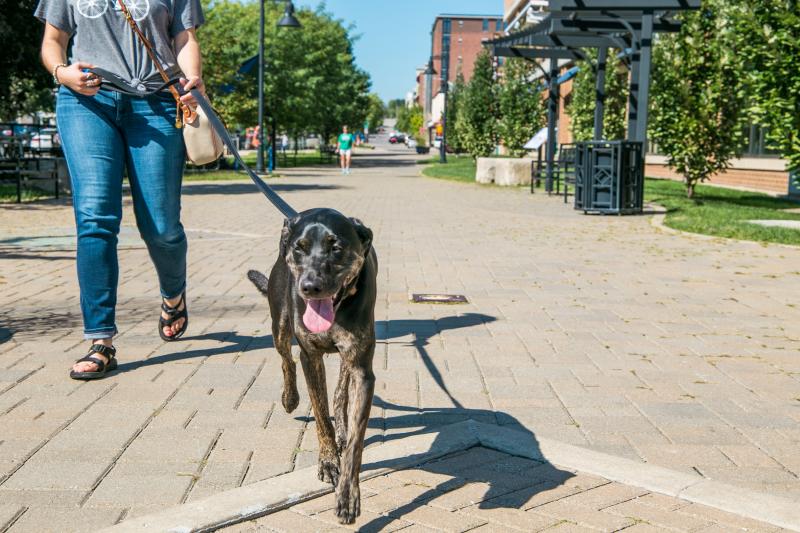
(89, 366)
(174, 318)
(97, 363)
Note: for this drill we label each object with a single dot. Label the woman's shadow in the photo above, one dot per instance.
(512, 482)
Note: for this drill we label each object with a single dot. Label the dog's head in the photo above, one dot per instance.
(325, 252)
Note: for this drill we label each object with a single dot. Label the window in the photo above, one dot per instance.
(461, 23)
(460, 39)
(498, 25)
(446, 26)
(485, 24)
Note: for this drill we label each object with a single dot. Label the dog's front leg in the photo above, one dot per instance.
(340, 398)
(314, 370)
(362, 387)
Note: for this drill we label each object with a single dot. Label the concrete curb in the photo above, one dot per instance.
(271, 495)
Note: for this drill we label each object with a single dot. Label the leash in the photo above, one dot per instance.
(118, 84)
(185, 115)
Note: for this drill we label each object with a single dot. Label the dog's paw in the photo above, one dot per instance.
(290, 399)
(328, 469)
(348, 502)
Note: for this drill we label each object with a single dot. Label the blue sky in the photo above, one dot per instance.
(395, 34)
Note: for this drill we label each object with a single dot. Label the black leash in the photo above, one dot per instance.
(120, 85)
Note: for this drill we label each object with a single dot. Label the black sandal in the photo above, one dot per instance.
(102, 367)
(174, 315)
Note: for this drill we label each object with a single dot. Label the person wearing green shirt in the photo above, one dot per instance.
(345, 149)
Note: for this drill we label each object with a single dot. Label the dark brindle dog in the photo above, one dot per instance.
(322, 291)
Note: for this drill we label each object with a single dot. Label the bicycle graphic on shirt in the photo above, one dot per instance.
(93, 9)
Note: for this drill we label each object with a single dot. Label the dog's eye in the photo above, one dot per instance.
(336, 248)
(302, 246)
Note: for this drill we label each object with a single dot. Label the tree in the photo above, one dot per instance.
(26, 86)
(477, 115)
(376, 113)
(582, 105)
(311, 82)
(520, 106)
(767, 36)
(698, 96)
(454, 99)
(410, 120)
(394, 106)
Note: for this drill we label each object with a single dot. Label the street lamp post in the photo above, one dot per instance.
(429, 73)
(288, 21)
(443, 144)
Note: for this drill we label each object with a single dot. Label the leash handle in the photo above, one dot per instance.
(216, 123)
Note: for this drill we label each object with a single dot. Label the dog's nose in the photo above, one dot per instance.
(311, 288)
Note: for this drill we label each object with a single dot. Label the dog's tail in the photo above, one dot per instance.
(259, 280)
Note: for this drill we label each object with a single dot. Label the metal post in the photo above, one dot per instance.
(443, 144)
(274, 141)
(260, 151)
(644, 78)
(552, 118)
(633, 96)
(600, 93)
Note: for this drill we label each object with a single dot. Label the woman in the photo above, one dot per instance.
(107, 134)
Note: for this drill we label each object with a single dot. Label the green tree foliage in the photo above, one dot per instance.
(768, 36)
(520, 106)
(25, 85)
(376, 113)
(454, 99)
(311, 82)
(394, 106)
(698, 97)
(582, 105)
(410, 120)
(477, 113)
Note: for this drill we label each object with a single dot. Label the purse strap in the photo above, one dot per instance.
(183, 113)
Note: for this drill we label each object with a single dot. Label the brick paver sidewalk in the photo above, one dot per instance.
(597, 331)
(484, 491)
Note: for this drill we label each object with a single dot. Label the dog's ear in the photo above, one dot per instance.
(364, 233)
(288, 225)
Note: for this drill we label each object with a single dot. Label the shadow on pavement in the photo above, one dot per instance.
(234, 343)
(511, 481)
(33, 256)
(423, 331)
(247, 188)
(5, 334)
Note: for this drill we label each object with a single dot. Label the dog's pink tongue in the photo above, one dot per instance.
(319, 315)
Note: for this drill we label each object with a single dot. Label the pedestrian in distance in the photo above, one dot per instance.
(345, 149)
(107, 133)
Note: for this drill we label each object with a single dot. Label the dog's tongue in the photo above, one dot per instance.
(319, 315)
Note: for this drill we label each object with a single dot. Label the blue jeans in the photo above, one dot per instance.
(102, 136)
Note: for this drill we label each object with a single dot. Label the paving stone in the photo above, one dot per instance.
(509, 517)
(66, 520)
(436, 518)
(699, 362)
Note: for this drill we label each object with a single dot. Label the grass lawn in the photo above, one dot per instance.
(723, 212)
(457, 168)
(715, 211)
(8, 194)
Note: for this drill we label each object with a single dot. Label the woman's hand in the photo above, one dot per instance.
(192, 82)
(81, 82)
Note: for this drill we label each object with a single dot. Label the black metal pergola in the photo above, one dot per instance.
(573, 25)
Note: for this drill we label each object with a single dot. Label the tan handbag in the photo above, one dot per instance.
(203, 144)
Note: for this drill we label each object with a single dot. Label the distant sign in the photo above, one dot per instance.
(537, 141)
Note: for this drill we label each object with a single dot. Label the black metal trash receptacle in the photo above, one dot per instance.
(609, 177)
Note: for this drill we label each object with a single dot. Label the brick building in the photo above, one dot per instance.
(757, 169)
(456, 41)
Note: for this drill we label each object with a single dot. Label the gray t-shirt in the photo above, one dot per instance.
(101, 35)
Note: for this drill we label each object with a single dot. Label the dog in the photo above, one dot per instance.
(322, 292)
